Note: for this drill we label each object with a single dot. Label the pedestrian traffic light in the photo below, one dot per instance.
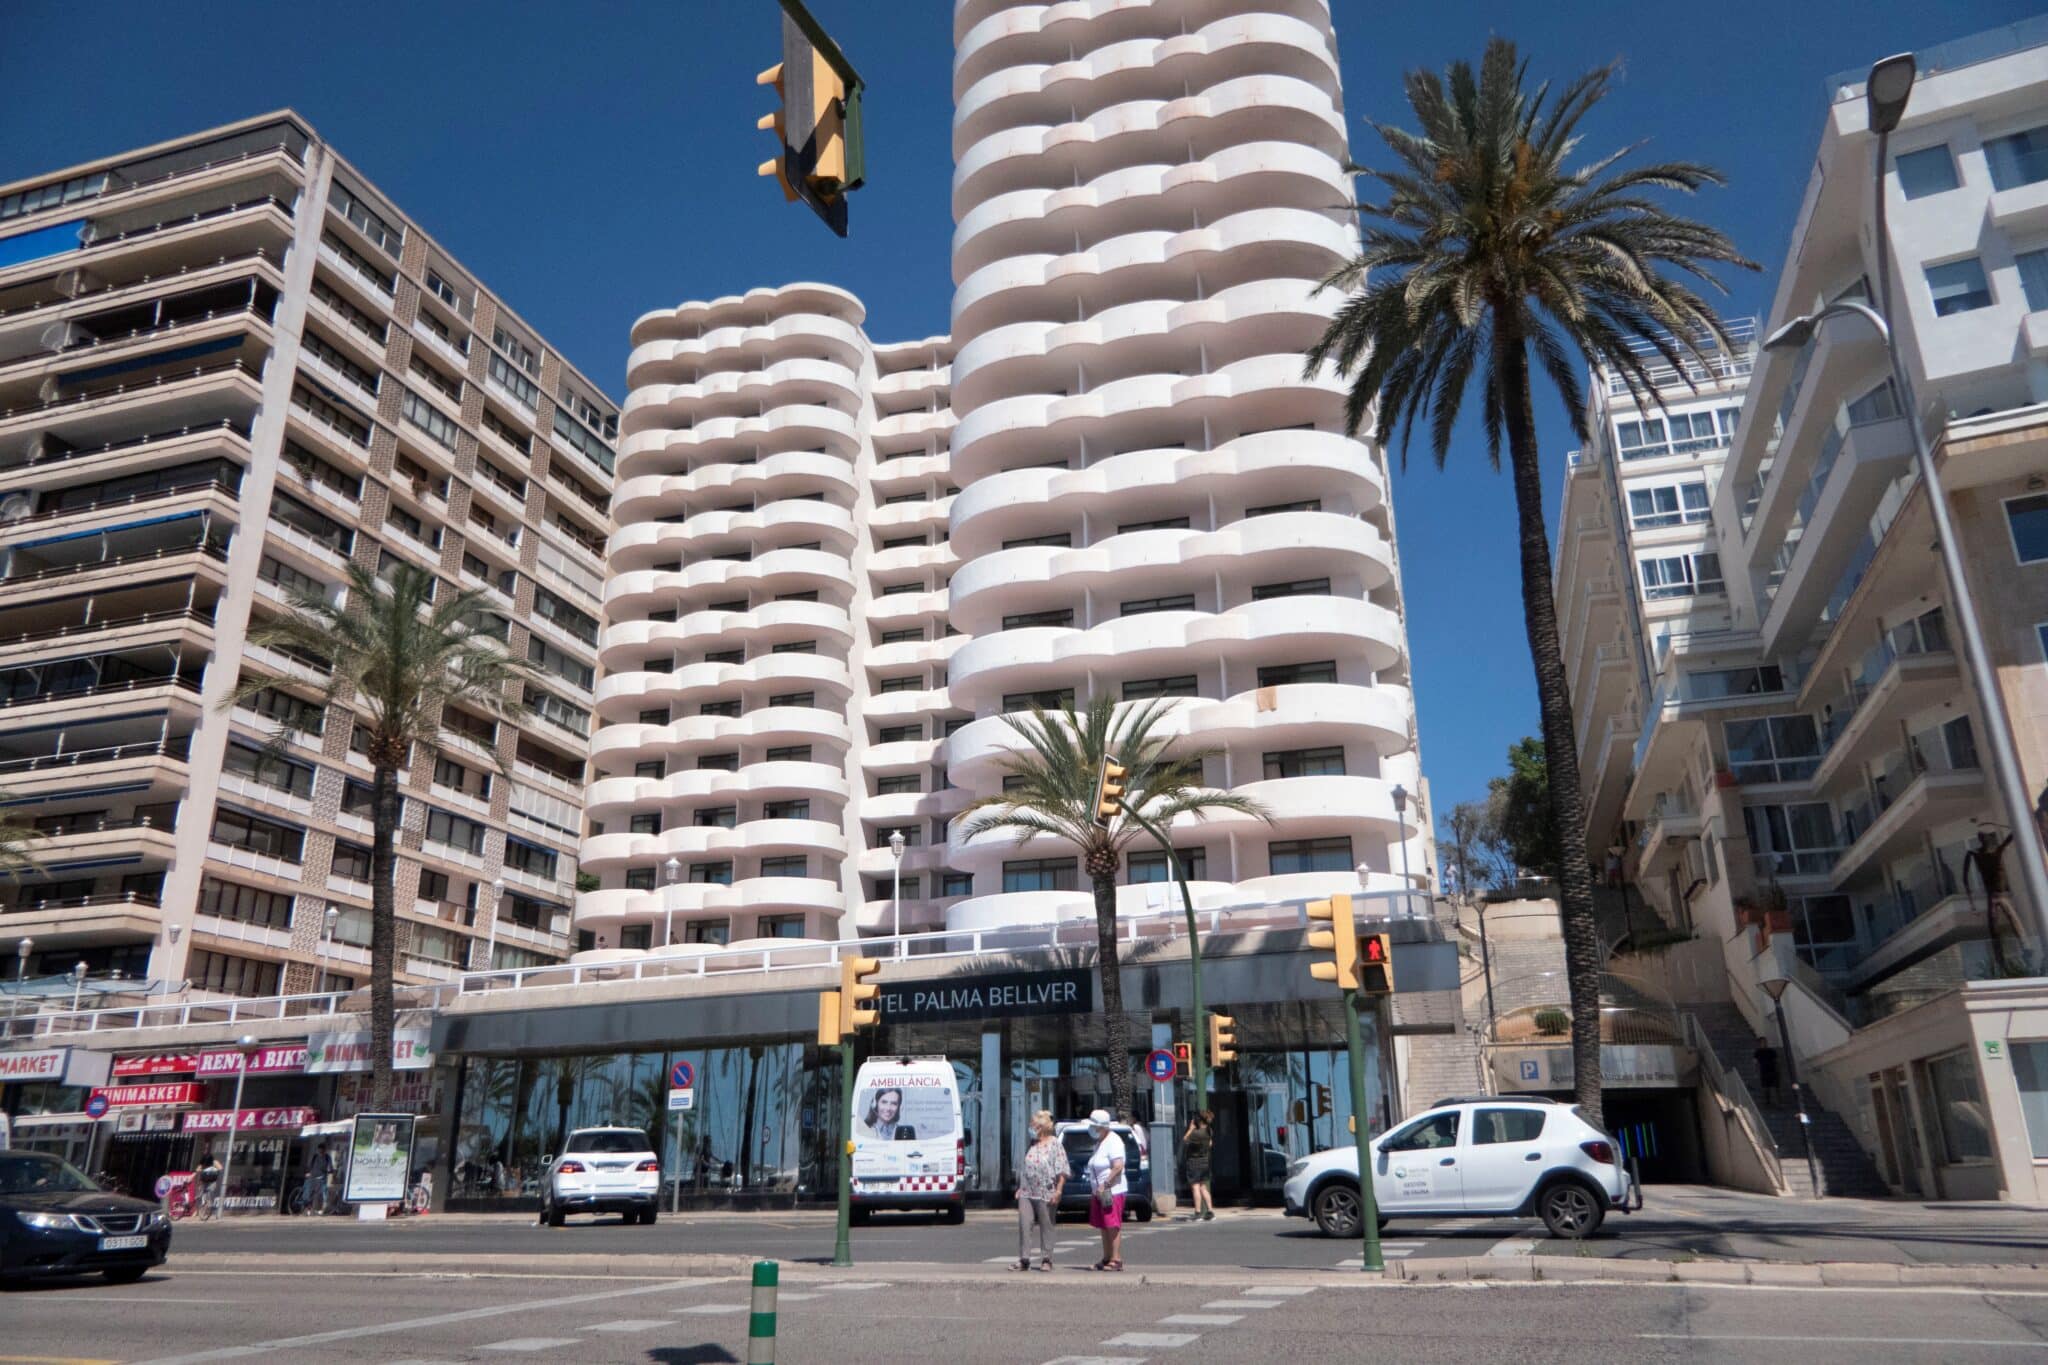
(1376, 964)
(855, 992)
(1322, 1094)
(1341, 939)
(1222, 1039)
(828, 1019)
(1183, 1056)
(817, 122)
(1109, 792)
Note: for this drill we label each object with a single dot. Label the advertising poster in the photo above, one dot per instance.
(379, 1159)
(909, 1109)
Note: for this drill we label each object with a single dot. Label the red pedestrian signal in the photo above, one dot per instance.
(1375, 964)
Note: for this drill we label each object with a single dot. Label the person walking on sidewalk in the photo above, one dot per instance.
(1196, 1145)
(1107, 1188)
(1767, 1072)
(1040, 1176)
(313, 1190)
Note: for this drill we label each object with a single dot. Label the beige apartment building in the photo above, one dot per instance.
(229, 368)
(1805, 782)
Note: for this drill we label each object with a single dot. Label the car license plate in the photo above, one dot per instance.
(123, 1243)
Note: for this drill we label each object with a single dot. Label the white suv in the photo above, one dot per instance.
(603, 1170)
(1483, 1157)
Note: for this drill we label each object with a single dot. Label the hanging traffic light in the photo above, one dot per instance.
(1341, 939)
(1376, 964)
(1222, 1039)
(818, 120)
(1109, 792)
(855, 992)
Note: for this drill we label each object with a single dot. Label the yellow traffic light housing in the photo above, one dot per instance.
(1340, 939)
(1109, 792)
(828, 1019)
(776, 123)
(817, 122)
(858, 998)
(1376, 964)
(1222, 1039)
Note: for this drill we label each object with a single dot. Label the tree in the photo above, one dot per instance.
(396, 659)
(1487, 247)
(1050, 792)
(1524, 816)
(1473, 847)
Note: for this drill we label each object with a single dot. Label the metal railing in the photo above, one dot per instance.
(163, 748)
(144, 281)
(254, 371)
(1730, 1087)
(227, 425)
(204, 617)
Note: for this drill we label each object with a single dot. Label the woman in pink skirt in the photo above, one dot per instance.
(1107, 1188)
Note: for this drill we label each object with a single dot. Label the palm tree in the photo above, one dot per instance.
(1488, 247)
(1050, 791)
(398, 658)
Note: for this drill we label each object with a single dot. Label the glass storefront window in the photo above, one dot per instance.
(1959, 1107)
(2030, 1070)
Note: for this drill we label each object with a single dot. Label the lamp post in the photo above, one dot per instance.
(77, 984)
(896, 901)
(1889, 86)
(244, 1045)
(491, 939)
(326, 945)
(673, 870)
(1407, 880)
(1774, 985)
(21, 952)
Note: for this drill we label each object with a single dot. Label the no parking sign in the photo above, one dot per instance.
(682, 1080)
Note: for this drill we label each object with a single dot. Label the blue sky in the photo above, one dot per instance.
(593, 161)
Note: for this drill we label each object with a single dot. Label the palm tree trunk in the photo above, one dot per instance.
(1116, 1025)
(1582, 954)
(385, 811)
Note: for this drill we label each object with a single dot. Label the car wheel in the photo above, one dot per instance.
(553, 1215)
(955, 1214)
(1336, 1210)
(1569, 1210)
(857, 1216)
(127, 1274)
(647, 1216)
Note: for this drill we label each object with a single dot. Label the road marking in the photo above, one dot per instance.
(1096, 1360)
(1513, 1247)
(1293, 1291)
(625, 1325)
(1243, 1303)
(1168, 1339)
(530, 1344)
(798, 1297)
(56, 1360)
(857, 1284)
(715, 1308)
(414, 1324)
(2032, 1344)
(1201, 1319)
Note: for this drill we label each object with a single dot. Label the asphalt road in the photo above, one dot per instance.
(1067, 1318)
(1677, 1222)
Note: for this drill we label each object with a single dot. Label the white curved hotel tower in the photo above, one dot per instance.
(826, 593)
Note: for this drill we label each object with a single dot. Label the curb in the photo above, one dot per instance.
(569, 1266)
(1824, 1275)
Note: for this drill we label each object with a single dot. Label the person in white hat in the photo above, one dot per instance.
(1107, 1188)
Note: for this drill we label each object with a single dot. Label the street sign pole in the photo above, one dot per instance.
(1368, 1205)
(1200, 1025)
(842, 1249)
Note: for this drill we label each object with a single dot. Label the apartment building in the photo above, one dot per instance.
(1808, 783)
(229, 368)
(841, 565)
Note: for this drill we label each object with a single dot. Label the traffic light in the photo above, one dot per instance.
(855, 992)
(1376, 964)
(1322, 1096)
(1341, 938)
(828, 1019)
(817, 123)
(1109, 792)
(1222, 1039)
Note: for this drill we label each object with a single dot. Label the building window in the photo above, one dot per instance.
(902, 637)
(1958, 286)
(1931, 170)
(1275, 509)
(352, 861)
(655, 768)
(1671, 505)
(897, 786)
(711, 874)
(639, 879)
(711, 931)
(779, 926)
(718, 763)
(794, 699)
(793, 647)
(1145, 606)
(1151, 865)
(1162, 524)
(1045, 701)
(716, 817)
(246, 904)
(2034, 278)
(962, 884)
(1324, 762)
(1139, 689)
(1958, 1098)
(1772, 748)
(1791, 841)
(1040, 874)
(429, 419)
(786, 810)
(455, 831)
(719, 708)
(1031, 619)
(1285, 675)
(907, 683)
(1287, 856)
(230, 975)
(794, 753)
(268, 769)
(793, 866)
(1305, 587)
(2027, 518)
(2030, 1072)
(1684, 575)
(647, 822)
(2018, 158)
(1059, 539)
(252, 832)
(899, 734)
(1712, 684)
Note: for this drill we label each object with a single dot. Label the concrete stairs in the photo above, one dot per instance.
(1845, 1168)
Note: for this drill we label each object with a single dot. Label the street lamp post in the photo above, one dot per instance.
(244, 1045)
(77, 984)
(21, 952)
(1407, 879)
(1889, 86)
(326, 946)
(673, 870)
(896, 901)
(1774, 986)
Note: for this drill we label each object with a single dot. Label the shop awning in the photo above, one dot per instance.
(332, 1128)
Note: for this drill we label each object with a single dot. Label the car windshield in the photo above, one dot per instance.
(35, 1173)
(625, 1141)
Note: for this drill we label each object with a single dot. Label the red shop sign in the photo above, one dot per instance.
(149, 1096)
(220, 1120)
(157, 1064)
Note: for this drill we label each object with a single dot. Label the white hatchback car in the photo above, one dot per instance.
(603, 1170)
(1483, 1157)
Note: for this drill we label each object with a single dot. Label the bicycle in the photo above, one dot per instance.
(181, 1201)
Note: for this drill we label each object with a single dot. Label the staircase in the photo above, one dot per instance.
(1845, 1169)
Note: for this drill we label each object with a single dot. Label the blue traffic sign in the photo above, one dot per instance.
(96, 1107)
(682, 1076)
(1159, 1064)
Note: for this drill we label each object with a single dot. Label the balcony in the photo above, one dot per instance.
(84, 921)
(1935, 778)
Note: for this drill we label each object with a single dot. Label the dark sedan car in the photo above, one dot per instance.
(1080, 1145)
(55, 1221)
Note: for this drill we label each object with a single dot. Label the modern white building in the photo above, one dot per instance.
(839, 566)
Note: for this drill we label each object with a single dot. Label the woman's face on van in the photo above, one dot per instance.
(887, 1105)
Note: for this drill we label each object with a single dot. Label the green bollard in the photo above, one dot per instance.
(761, 1325)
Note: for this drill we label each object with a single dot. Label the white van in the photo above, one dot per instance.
(909, 1149)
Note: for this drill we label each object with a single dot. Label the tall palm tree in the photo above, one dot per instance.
(400, 658)
(1487, 247)
(1050, 792)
